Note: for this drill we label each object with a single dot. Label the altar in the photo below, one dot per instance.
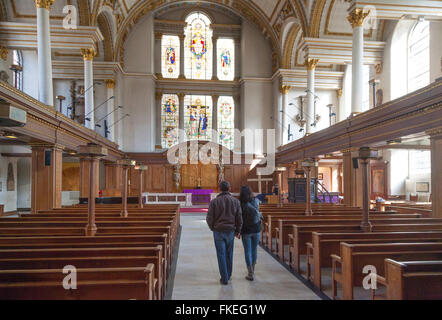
(200, 196)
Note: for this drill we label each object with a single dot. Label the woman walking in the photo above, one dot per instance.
(250, 232)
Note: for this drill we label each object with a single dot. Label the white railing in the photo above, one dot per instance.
(174, 198)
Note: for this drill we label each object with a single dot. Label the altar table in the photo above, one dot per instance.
(199, 196)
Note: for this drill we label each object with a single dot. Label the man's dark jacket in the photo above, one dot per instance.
(224, 214)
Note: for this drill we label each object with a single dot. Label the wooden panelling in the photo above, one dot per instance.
(71, 176)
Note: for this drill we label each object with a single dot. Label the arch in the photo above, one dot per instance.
(243, 8)
(84, 10)
(290, 46)
(105, 27)
(316, 15)
(190, 11)
(418, 49)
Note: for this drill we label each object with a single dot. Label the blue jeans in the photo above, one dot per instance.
(250, 243)
(224, 242)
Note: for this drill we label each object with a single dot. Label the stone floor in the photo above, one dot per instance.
(197, 276)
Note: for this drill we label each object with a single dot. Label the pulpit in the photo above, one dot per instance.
(298, 188)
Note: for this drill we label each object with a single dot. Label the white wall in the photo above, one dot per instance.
(398, 168)
(435, 50)
(8, 198)
(24, 183)
(137, 88)
(325, 97)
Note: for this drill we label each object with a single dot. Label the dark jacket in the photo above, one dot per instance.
(224, 214)
(254, 228)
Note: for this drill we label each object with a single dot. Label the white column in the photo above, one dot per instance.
(110, 84)
(88, 57)
(45, 86)
(356, 19)
(341, 106)
(238, 118)
(157, 54)
(182, 49)
(310, 109)
(158, 97)
(181, 114)
(215, 58)
(215, 113)
(284, 92)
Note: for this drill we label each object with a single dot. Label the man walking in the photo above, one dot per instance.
(225, 220)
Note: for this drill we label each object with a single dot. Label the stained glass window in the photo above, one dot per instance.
(226, 59)
(169, 120)
(198, 117)
(170, 56)
(198, 47)
(226, 121)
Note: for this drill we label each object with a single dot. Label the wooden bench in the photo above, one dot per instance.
(301, 235)
(412, 280)
(323, 245)
(92, 284)
(354, 257)
(97, 257)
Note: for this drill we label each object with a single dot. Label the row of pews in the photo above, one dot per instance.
(329, 249)
(128, 258)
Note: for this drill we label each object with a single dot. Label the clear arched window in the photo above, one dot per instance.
(198, 117)
(17, 69)
(169, 120)
(198, 49)
(226, 59)
(226, 121)
(419, 56)
(170, 56)
(366, 89)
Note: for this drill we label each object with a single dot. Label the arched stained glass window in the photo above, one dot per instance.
(226, 121)
(198, 117)
(419, 56)
(226, 59)
(169, 120)
(198, 49)
(170, 56)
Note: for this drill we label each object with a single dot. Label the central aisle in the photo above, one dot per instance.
(197, 276)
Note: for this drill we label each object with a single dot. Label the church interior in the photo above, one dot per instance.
(120, 118)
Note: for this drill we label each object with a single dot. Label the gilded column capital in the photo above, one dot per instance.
(88, 54)
(158, 95)
(158, 35)
(339, 93)
(110, 83)
(357, 17)
(311, 63)
(45, 4)
(285, 89)
(4, 53)
(181, 96)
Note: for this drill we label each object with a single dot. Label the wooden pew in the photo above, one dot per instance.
(354, 257)
(301, 235)
(93, 254)
(285, 226)
(92, 284)
(323, 245)
(412, 280)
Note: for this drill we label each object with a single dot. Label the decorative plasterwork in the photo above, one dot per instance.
(297, 78)
(45, 4)
(74, 70)
(339, 51)
(24, 36)
(357, 17)
(3, 53)
(394, 9)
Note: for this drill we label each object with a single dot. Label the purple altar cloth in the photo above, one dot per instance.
(199, 196)
(198, 191)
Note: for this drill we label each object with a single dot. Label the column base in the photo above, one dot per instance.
(366, 227)
(158, 147)
(215, 78)
(182, 77)
(91, 230)
(354, 114)
(124, 214)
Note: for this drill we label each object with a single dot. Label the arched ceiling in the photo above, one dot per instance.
(282, 22)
